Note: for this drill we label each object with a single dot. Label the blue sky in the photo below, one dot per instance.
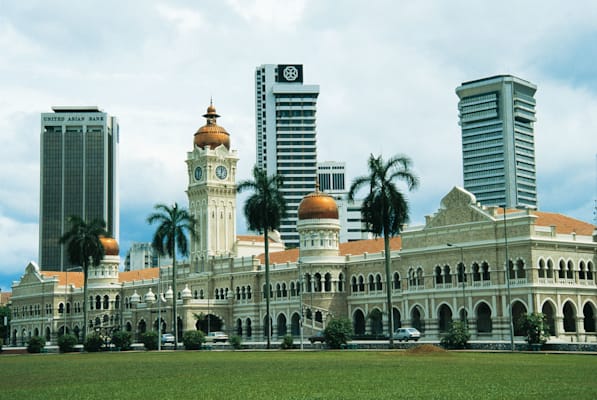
(387, 74)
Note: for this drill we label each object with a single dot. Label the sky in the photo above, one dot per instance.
(387, 72)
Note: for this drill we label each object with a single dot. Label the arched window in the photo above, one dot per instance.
(570, 270)
(485, 271)
(520, 272)
(438, 275)
(353, 284)
(445, 318)
(484, 324)
(106, 302)
(371, 283)
(238, 293)
(396, 281)
(476, 273)
(284, 290)
(117, 302)
(581, 270)
(317, 282)
(308, 285)
(569, 312)
(541, 271)
(278, 291)
(249, 292)
(378, 284)
(98, 303)
(361, 283)
(447, 275)
(562, 270)
(292, 289)
(327, 286)
(340, 282)
(549, 271)
(461, 273)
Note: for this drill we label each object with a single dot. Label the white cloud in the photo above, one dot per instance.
(387, 73)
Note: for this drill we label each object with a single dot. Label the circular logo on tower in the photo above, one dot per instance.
(291, 73)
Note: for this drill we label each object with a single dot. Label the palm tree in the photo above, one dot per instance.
(170, 236)
(83, 247)
(264, 211)
(385, 209)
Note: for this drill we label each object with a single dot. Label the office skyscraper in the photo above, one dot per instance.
(331, 176)
(285, 110)
(498, 144)
(78, 176)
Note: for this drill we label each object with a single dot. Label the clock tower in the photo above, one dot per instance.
(212, 191)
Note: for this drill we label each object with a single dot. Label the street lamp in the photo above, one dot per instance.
(462, 274)
(66, 294)
(507, 272)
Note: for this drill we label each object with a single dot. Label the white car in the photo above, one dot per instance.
(407, 334)
(216, 337)
(168, 338)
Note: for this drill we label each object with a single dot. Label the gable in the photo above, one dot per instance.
(457, 207)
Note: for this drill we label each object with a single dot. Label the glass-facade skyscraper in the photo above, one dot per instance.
(78, 176)
(285, 110)
(497, 115)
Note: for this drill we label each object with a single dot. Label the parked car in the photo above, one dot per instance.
(318, 337)
(407, 334)
(216, 336)
(168, 338)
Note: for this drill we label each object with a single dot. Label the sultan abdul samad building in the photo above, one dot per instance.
(550, 268)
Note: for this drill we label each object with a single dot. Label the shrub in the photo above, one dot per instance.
(236, 342)
(338, 332)
(287, 342)
(66, 343)
(122, 340)
(192, 340)
(150, 340)
(93, 343)
(1, 343)
(535, 328)
(36, 344)
(457, 336)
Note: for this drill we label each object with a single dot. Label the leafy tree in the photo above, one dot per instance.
(66, 343)
(93, 343)
(4, 331)
(122, 340)
(170, 236)
(84, 248)
(385, 209)
(264, 211)
(193, 340)
(150, 340)
(535, 328)
(457, 336)
(287, 342)
(338, 332)
(236, 342)
(36, 344)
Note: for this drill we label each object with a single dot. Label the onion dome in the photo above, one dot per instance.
(135, 298)
(318, 205)
(186, 292)
(110, 246)
(211, 134)
(149, 296)
(169, 293)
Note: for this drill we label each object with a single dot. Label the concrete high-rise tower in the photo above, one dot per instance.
(497, 115)
(285, 110)
(78, 176)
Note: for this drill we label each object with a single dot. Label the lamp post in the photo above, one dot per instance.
(507, 271)
(301, 284)
(66, 294)
(462, 274)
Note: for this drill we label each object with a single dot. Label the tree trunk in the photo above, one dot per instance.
(174, 300)
(388, 260)
(267, 291)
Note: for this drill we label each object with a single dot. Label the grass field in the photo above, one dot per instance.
(297, 375)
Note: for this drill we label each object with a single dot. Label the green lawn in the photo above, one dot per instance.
(297, 375)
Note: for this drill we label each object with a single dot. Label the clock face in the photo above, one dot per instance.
(290, 73)
(198, 173)
(221, 172)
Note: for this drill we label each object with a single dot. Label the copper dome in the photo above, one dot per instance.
(110, 246)
(211, 134)
(318, 205)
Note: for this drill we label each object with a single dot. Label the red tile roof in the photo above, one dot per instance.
(354, 248)
(564, 224)
(75, 278)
